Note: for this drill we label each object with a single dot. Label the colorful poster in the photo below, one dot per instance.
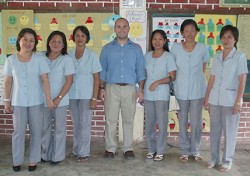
(171, 25)
(210, 27)
(13, 21)
(100, 26)
(138, 26)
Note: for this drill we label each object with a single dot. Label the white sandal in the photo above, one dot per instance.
(150, 155)
(184, 158)
(211, 165)
(198, 157)
(225, 168)
(158, 157)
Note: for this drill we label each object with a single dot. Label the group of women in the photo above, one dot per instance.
(39, 88)
(185, 64)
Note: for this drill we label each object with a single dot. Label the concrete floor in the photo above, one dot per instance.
(140, 166)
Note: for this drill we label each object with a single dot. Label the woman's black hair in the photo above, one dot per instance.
(22, 33)
(84, 30)
(234, 31)
(188, 22)
(163, 34)
(64, 50)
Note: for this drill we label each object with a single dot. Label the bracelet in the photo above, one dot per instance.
(101, 87)
(93, 99)
(238, 103)
(60, 96)
(6, 99)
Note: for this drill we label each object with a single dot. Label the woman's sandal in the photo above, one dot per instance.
(150, 155)
(83, 159)
(225, 168)
(184, 158)
(198, 158)
(211, 165)
(158, 157)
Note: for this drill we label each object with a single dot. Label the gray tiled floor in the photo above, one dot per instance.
(98, 166)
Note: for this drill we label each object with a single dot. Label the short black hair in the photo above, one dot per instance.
(22, 33)
(188, 22)
(234, 31)
(52, 34)
(84, 30)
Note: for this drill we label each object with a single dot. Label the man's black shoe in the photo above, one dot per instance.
(129, 155)
(109, 154)
(31, 168)
(54, 162)
(16, 168)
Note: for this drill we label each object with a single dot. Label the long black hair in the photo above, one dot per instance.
(163, 34)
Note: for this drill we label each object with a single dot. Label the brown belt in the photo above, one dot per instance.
(121, 84)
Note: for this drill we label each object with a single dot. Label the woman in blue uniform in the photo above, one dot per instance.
(160, 71)
(190, 86)
(60, 78)
(84, 91)
(26, 78)
(224, 97)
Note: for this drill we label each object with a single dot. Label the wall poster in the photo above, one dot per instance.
(13, 21)
(100, 26)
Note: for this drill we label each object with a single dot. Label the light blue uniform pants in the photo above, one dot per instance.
(21, 117)
(54, 134)
(222, 119)
(190, 142)
(81, 115)
(156, 112)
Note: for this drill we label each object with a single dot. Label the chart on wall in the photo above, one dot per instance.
(13, 21)
(100, 26)
(210, 27)
(138, 26)
(171, 25)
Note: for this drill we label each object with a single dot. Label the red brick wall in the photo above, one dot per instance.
(153, 6)
(98, 123)
(159, 6)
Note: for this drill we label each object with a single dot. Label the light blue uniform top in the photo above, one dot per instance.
(82, 87)
(60, 67)
(158, 69)
(190, 81)
(225, 87)
(122, 64)
(27, 89)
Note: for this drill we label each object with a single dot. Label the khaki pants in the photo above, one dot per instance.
(119, 98)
